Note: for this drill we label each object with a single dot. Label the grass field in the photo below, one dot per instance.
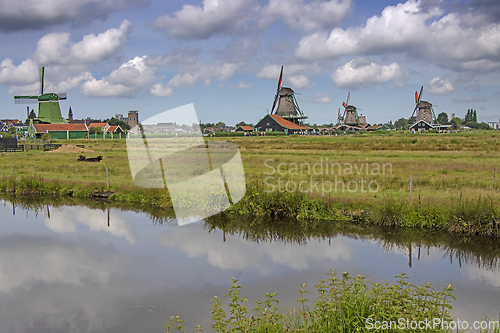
(454, 171)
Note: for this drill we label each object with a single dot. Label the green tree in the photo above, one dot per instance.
(220, 124)
(401, 123)
(116, 122)
(95, 130)
(443, 118)
(456, 122)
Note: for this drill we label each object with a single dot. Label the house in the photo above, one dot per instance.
(20, 128)
(115, 129)
(165, 127)
(102, 126)
(421, 125)
(4, 127)
(246, 129)
(494, 125)
(58, 131)
(443, 127)
(274, 123)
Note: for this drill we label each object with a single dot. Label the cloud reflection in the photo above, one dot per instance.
(66, 220)
(237, 253)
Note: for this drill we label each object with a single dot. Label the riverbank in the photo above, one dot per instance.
(440, 182)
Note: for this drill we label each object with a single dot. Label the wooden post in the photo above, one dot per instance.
(282, 150)
(495, 181)
(411, 186)
(342, 150)
(453, 152)
(107, 179)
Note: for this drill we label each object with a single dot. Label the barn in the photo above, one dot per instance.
(421, 125)
(59, 131)
(274, 123)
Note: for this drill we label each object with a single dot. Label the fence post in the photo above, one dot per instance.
(411, 186)
(107, 179)
(495, 181)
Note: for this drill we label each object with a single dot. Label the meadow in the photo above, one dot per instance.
(442, 181)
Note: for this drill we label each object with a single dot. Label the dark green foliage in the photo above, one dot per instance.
(443, 118)
(116, 122)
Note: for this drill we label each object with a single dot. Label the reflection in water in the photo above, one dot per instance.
(98, 268)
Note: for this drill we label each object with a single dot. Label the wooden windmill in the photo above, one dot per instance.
(425, 110)
(288, 108)
(48, 104)
(350, 115)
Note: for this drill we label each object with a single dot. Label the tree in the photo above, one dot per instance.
(116, 122)
(220, 124)
(45, 137)
(443, 118)
(401, 123)
(456, 122)
(95, 130)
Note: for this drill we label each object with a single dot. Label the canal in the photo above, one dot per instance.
(82, 269)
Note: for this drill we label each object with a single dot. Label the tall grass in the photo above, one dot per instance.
(341, 304)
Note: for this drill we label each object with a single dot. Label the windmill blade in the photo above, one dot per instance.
(275, 100)
(416, 107)
(25, 99)
(41, 71)
(280, 81)
(62, 95)
(348, 95)
(420, 95)
(278, 89)
(416, 97)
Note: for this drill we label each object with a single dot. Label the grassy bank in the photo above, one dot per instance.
(317, 181)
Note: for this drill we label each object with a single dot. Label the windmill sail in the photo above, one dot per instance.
(41, 71)
(277, 90)
(48, 104)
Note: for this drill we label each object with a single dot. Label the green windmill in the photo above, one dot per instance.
(48, 104)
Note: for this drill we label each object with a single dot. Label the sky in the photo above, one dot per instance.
(224, 56)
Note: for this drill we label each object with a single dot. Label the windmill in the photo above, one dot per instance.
(48, 104)
(288, 108)
(350, 115)
(425, 110)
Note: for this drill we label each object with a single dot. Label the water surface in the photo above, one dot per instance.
(77, 269)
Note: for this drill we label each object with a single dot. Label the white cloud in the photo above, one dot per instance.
(33, 14)
(299, 82)
(159, 90)
(360, 72)
(26, 72)
(57, 48)
(439, 86)
(321, 98)
(200, 22)
(238, 16)
(469, 99)
(131, 78)
(273, 71)
(243, 85)
(191, 74)
(306, 16)
(453, 41)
